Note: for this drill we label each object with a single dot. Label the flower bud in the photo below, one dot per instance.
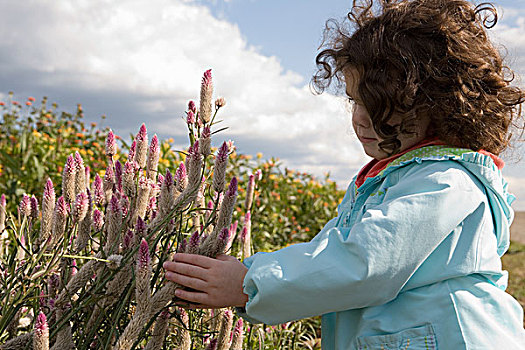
(69, 179)
(111, 145)
(81, 207)
(142, 146)
(34, 208)
(206, 97)
(190, 118)
(41, 333)
(220, 102)
(98, 220)
(24, 208)
(153, 158)
(98, 191)
(191, 107)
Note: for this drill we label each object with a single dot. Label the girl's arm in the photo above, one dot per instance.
(369, 264)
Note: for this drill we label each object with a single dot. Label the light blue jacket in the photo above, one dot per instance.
(412, 261)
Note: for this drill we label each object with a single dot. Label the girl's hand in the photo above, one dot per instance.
(216, 282)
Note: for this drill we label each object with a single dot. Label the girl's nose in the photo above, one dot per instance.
(360, 116)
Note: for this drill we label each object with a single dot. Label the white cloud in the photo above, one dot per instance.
(145, 59)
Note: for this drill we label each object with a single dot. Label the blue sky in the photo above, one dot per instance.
(141, 61)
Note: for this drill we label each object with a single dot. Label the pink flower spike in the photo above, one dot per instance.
(81, 206)
(79, 162)
(24, 207)
(114, 204)
(98, 191)
(143, 133)
(49, 190)
(224, 236)
(128, 239)
(98, 220)
(3, 201)
(190, 118)
(222, 155)
(34, 207)
(168, 179)
(140, 227)
(233, 227)
(41, 323)
(143, 258)
(182, 246)
(111, 145)
(232, 189)
(244, 233)
(160, 179)
(247, 217)
(193, 246)
(258, 175)
(132, 150)
(154, 147)
(192, 107)
(61, 206)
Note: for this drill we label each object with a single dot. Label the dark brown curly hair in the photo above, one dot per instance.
(425, 56)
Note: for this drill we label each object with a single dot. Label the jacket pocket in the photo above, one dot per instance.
(418, 338)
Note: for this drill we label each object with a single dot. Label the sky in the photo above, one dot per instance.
(141, 61)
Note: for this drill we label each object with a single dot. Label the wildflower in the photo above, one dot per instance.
(231, 146)
(223, 339)
(118, 176)
(205, 141)
(205, 97)
(142, 200)
(114, 224)
(24, 208)
(192, 107)
(111, 145)
(98, 220)
(41, 333)
(30, 98)
(219, 169)
(190, 118)
(194, 168)
(193, 245)
(132, 150)
(238, 336)
(142, 146)
(98, 192)
(166, 194)
(34, 208)
(28, 103)
(124, 204)
(183, 246)
(128, 179)
(109, 180)
(220, 102)
(182, 177)
(68, 179)
(80, 178)
(143, 292)
(153, 158)
(129, 240)
(81, 206)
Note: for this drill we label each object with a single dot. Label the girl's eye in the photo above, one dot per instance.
(351, 100)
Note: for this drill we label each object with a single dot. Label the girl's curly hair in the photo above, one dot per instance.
(425, 56)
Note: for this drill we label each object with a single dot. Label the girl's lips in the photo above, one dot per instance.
(365, 139)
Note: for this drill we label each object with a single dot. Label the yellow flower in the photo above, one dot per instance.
(170, 140)
(259, 155)
(36, 133)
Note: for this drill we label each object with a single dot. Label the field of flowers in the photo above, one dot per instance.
(86, 220)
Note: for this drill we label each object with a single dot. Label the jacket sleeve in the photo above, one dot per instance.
(369, 263)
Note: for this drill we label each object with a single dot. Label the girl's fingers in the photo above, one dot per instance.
(194, 259)
(187, 281)
(186, 269)
(193, 297)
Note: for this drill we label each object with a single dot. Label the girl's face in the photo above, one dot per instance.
(362, 123)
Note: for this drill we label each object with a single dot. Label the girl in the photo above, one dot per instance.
(412, 260)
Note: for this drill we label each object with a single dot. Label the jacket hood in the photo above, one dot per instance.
(483, 167)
